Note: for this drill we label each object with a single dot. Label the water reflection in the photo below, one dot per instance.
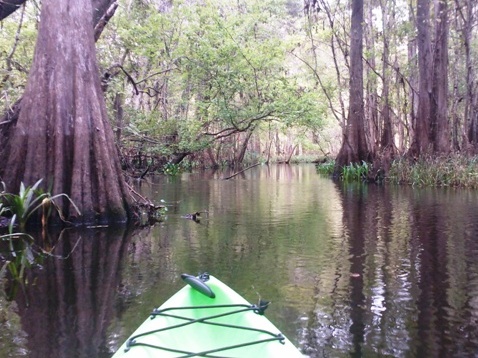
(68, 302)
(406, 282)
(351, 270)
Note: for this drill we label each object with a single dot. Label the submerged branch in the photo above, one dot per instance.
(241, 171)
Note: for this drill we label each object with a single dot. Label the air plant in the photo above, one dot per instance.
(29, 200)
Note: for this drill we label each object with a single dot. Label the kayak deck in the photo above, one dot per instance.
(220, 323)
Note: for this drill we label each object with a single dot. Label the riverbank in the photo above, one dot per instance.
(452, 171)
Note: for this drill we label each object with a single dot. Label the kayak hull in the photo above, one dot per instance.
(194, 324)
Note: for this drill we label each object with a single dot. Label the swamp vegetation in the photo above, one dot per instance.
(97, 95)
(216, 83)
(371, 91)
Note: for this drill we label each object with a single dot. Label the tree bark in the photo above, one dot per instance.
(440, 127)
(63, 134)
(7, 7)
(421, 141)
(119, 115)
(100, 8)
(371, 98)
(243, 147)
(413, 82)
(386, 140)
(432, 132)
(466, 14)
(354, 145)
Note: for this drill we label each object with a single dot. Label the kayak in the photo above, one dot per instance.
(207, 318)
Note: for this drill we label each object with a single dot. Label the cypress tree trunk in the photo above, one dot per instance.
(354, 145)
(371, 97)
(62, 134)
(386, 140)
(471, 99)
(432, 132)
(440, 126)
(421, 141)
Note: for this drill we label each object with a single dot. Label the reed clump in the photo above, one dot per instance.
(452, 171)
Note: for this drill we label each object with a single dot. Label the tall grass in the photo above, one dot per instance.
(453, 170)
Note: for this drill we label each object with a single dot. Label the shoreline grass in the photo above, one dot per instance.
(450, 171)
(444, 171)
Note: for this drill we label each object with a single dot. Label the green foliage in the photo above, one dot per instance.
(210, 69)
(21, 207)
(29, 200)
(172, 169)
(21, 257)
(326, 168)
(17, 42)
(355, 171)
(23, 204)
(202, 70)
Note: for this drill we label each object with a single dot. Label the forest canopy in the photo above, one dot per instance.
(221, 82)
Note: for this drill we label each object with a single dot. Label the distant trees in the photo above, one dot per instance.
(408, 103)
(465, 21)
(432, 133)
(211, 80)
(224, 82)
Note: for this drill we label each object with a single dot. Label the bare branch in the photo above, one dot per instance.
(108, 75)
(15, 44)
(226, 132)
(324, 90)
(103, 21)
(156, 73)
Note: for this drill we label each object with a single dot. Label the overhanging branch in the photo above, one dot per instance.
(226, 132)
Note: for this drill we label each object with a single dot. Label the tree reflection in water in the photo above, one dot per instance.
(406, 279)
(67, 305)
(353, 270)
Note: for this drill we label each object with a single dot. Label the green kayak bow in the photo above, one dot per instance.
(207, 318)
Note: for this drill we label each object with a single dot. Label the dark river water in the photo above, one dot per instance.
(352, 270)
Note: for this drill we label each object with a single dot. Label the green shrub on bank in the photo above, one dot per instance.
(171, 169)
